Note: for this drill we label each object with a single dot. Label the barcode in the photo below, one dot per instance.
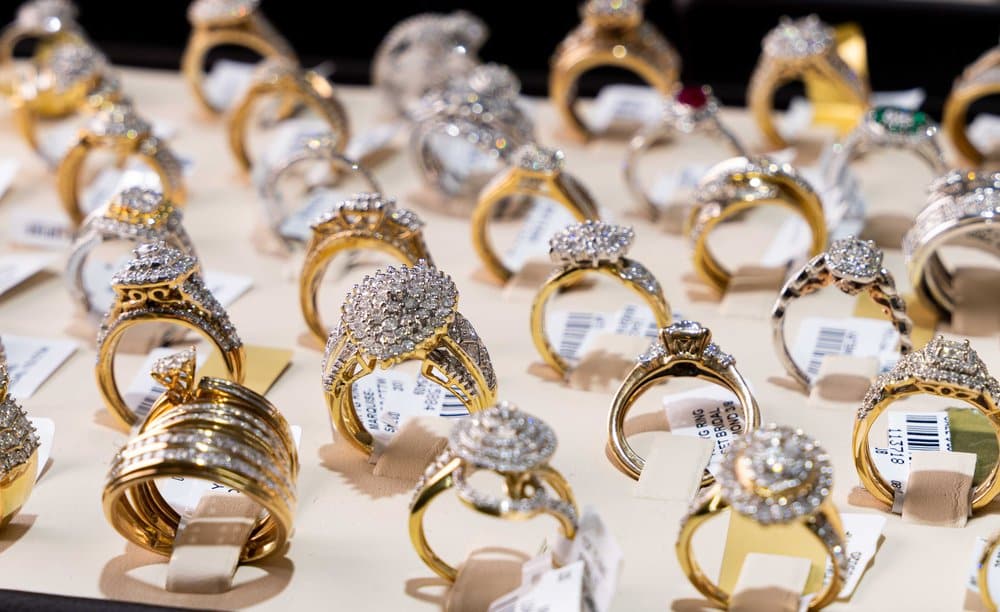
(148, 401)
(451, 406)
(829, 341)
(922, 433)
(578, 324)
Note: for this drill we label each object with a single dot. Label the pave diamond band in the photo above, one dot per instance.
(514, 445)
(683, 349)
(18, 450)
(853, 266)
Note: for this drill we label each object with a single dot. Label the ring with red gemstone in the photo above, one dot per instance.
(694, 109)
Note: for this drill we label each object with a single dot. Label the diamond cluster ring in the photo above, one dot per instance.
(853, 266)
(365, 221)
(46, 21)
(807, 49)
(683, 349)
(514, 445)
(592, 247)
(780, 479)
(211, 430)
(18, 452)
(612, 33)
(943, 368)
(215, 23)
(535, 172)
(164, 285)
(979, 80)
(135, 215)
(403, 314)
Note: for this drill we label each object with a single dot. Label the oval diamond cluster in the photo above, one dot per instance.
(591, 241)
(503, 438)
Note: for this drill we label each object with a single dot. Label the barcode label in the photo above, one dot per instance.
(578, 326)
(922, 432)
(572, 332)
(907, 433)
(385, 401)
(544, 219)
(830, 341)
(820, 337)
(628, 104)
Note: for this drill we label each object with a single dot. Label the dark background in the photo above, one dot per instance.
(911, 43)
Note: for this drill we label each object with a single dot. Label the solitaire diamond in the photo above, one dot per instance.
(397, 309)
(687, 340)
(503, 438)
(857, 260)
(538, 159)
(799, 37)
(591, 242)
(167, 366)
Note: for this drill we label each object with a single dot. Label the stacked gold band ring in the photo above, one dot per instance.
(977, 81)
(18, 452)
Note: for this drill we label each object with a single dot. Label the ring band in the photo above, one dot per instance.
(18, 452)
(217, 431)
(740, 183)
(807, 49)
(983, 572)
(404, 314)
(977, 81)
(535, 172)
(367, 220)
(612, 33)
(683, 349)
(756, 480)
(592, 247)
(692, 110)
(852, 266)
(118, 128)
(216, 23)
(515, 446)
(161, 284)
(943, 368)
(281, 77)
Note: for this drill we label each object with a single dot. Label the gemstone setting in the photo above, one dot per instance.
(855, 260)
(591, 242)
(799, 38)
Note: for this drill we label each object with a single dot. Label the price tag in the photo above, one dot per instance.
(556, 589)
(372, 140)
(40, 230)
(984, 132)
(819, 337)
(625, 104)
(46, 430)
(30, 361)
(711, 413)
(55, 141)
(385, 401)
(910, 99)
(227, 82)
(111, 181)
(797, 118)
(791, 243)
(574, 332)
(862, 532)
(671, 186)
(596, 547)
(543, 220)
(909, 433)
(8, 170)
(297, 226)
(227, 288)
(15, 268)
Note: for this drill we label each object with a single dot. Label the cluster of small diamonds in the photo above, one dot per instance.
(713, 356)
(393, 311)
(947, 361)
(72, 62)
(856, 259)
(640, 274)
(981, 203)
(365, 203)
(48, 16)
(153, 263)
(503, 439)
(591, 242)
(209, 11)
(119, 120)
(792, 467)
(18, 439)
(134, 215)
(686, 118)
(799, 37)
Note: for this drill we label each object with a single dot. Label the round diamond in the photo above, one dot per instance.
(538, 159)
(799, 37)
(153, 263)
(856, 259)
(591, 242)
(397, 309)
(503, 438)
(211, 11)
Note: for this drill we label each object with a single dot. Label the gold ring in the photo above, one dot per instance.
(515, 446)
(369, 221)
(943, 368)
(535, 172)
(117, 128)
(217, 431)
(983, 572)
(403, 314)
(780, 479)
(588, 248)
(613, 33)
(740, 183)
(832, 65)
(161, 284)
(683, 349)
(977, 81)
(18, 452)
(216, 23)
(283, 78)
(46, 21)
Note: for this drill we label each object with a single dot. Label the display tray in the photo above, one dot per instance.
(351, 548)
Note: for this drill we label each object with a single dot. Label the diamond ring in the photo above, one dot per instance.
(588, 248)
(164, 285)
(612, 33)
(807, 49)
(962, 210)
(215, 23)
(422, 53)
(18, 452)
(118, 128)
(46, 21)
(691, 110)
(735, 185)
(281, 78)
(682, 349)
(209, 431)
(135, 215)
(853, 266)
(403, 314)
(943, 368)
(514, 445)
(368, 221)
(535, 172)
(979, 80)
(780, 479)
(465, 133)
(306, 150)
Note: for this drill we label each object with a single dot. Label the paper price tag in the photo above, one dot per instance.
(297, 226)
(30, 361)
(596, 547)
(385, 401)
(227, 81)
(669, 186)
(574, 332)
(543, 220)
(15, 268)
(111, 181)
(984, 132)
(46, 431)
(711, 413)
(791, 243)
(992, 574)
(8, 170)
(34, 229)
(143, 391)
(908, 433)
(797, 118)
(862, 532)
(227, 288)
(372, 140)
(55, 141)
(625, 104)
(910, 99)
(819, 337)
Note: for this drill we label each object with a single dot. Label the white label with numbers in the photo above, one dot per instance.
(625, 104)
(908, 433)
(30, 361)
(543, 220)
(16, 268)
(711, 413)
(39, 229)
(820, 337)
